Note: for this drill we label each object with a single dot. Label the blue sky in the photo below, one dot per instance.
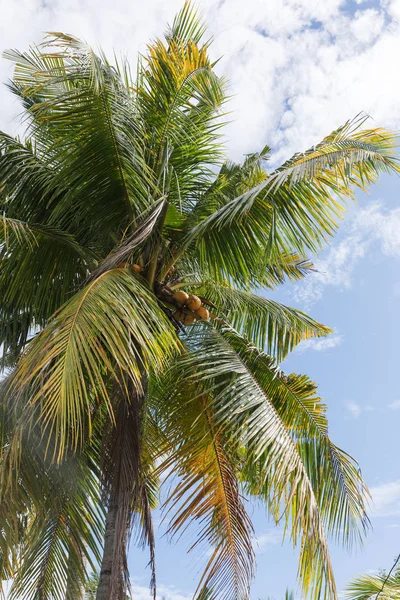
(291, 84)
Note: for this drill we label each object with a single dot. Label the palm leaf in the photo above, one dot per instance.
(243, 409)
(93, 113)
(208, 493)
(52, 520)
(341, 494)
(112, 327)
(294, 209)
(366, 587)
(268, 324)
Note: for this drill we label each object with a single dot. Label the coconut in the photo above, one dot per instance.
(181, 297)
(193, 303)
(122, 265)
(203, 313)
(183, 317)
(136, 268)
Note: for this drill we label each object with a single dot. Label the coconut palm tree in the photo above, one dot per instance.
(385, 586)
(135, 342)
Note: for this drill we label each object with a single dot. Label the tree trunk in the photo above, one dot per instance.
(104, 589)
(121, 472)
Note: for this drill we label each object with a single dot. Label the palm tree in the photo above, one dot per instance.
(122, 225)
(385, 586)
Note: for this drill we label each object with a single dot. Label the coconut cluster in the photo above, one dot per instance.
(135, 267)
(193, 303)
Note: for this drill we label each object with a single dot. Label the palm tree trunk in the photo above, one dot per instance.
(121, 471)
(107, 575)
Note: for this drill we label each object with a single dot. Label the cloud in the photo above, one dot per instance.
(265, 540)
(168, 592)
(395, 405)
(298, 68)
(354, 409)
(386, 499)
(320, 344)
(370, 225)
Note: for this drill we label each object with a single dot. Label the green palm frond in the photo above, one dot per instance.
(296, 208)
(336, 480)
(267, 323)
(28, 189)
(246, 415)
(367, 587)
(78, 98)
(208, 493)
(112, 327)
(40, 267)
(187, 26)
(26, 235)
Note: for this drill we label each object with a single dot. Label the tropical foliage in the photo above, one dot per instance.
(385, 586)
(117, 198)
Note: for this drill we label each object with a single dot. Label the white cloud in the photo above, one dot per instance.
(320, 344)
(370, 225)
(298, 68)
(386, 499)
(141, 592)
(395, 405)
(265, 540)
(354, 409)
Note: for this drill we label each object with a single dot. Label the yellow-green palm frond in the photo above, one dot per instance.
(208, 493)
(369, 587)
(111, 328)
(335, 476)
(179, 98)
(51, 516)
(248, 419)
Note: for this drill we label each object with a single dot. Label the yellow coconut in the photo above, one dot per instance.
(136, 268)
(181, 297)
(193, 303)
(203, 313)
(122, 265)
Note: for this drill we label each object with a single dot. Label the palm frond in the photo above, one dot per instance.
(336, 479)
(268, 324)
(112, 327)
(368, 587)
(77, 97)
(134, 241)
(208, 493)
(41, 266)
(56, 543)
(187, 25)
(245, 413)
(295, 208)
(179, 97)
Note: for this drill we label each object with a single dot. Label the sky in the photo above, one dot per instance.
(297, 70)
